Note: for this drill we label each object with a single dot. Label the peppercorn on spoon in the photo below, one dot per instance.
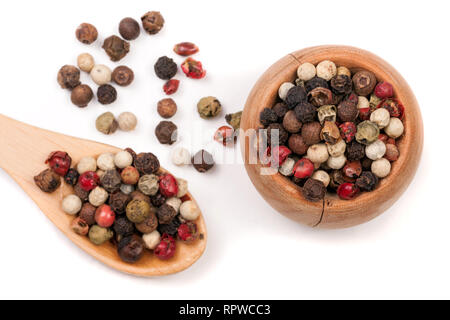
(25, 149)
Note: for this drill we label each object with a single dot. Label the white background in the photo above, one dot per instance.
(252, 252)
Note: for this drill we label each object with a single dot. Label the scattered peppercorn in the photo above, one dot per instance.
(165, 68)
(166, 132)
(167, 108)
(127, 121)
(81, 95)
(234, 119)
(193, 69)
(185, 49)
(85, 62)
(209, 107)
(129, 28)
(202, 161)
(68, 77)
(106, 94)
(116, 48)
(122, 76)
(86, 33)
(106, 123)
(171, 86)
(152, 22)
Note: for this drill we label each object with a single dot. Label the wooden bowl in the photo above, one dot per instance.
(283, 195)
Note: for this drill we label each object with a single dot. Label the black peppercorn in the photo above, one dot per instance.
(314, 190)
(122, 75)
(130, 249)
(267, 116)
(280, 109)
(305, 112)
(86, 33)
(123, 226)
(316, 82)
(118, 201)
(355, 151)
(166, 132)
(106, 94)
(320, 97)
(336, 179)
(149, 225)
(80, 192)
(158, 200)
(129, 29)
(276, 130)
(202, 161)
(71, 177)
(367, 181)
(366, 163)
(170, 228)
(116, 48)
(68, 77)
(341, 84)
(152, 22)
(111, 180)
(364, 82)
(146, 163)
(81, 95)
(48, 181)
(295, 96)
(165, 68)
(165, 214)
(87, 213)
(347, 110)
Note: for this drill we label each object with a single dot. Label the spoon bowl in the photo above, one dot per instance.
(24, 150)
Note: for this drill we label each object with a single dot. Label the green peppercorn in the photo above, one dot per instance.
(106, 123)
(99, 235)
(137, 211)
(367, 132)
(209, 107)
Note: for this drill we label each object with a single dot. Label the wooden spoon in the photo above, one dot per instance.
(24, 150)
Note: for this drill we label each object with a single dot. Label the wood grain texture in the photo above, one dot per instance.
(24, 150)
(283, 195)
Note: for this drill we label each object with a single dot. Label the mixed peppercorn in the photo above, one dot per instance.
(124, 198)
(333, 130)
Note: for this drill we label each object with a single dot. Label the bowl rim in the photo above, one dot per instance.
(353, 58)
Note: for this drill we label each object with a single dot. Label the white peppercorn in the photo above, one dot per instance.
(85, 62)
(287, 168)
(174, 202)
(71, 204)
(343, 71)
(283, 90)
(86, 164)
(149, 184)
(395, 128)
(306, 71)
(106, 162)
(326, 70)
(337, 149)
(363, 102)
(123, 159)
(101, 74)
(337, 162)
(182, 187)
(376, 150)
(318, 153)
(189, 210)
(381, 117)
(151, 240)
(381, 168)
(126, 188)
(100, 173)
(181, 156)
(322, 176)
(98, 196)
(127, 121)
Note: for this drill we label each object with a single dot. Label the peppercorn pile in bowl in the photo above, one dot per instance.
(333, 130)
(126, 199)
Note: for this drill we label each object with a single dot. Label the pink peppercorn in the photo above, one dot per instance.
(347, 191)
(171, 86)
(166, 248)
(89, 180)
(168, 185)
(304, 168)
(384, 90)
